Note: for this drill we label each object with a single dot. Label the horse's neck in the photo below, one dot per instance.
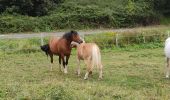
(67, 43)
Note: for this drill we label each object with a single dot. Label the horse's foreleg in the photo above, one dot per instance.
(168, 68)
(67, 58)
(78, 67)
(60, 67)
(64, 64)
(89, 68)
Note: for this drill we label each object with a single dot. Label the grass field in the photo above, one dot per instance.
(131, 74)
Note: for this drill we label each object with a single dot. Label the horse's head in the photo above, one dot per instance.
(73, 36)
(76, 37)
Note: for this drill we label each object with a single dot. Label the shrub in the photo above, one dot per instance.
(80, 14)
(28, 7)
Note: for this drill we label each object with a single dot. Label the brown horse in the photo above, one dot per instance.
(90, 53)
(61, 47)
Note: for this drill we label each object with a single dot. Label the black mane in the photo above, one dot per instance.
(68, 35)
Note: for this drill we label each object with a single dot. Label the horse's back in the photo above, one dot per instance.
(167, 48)
(84, 50)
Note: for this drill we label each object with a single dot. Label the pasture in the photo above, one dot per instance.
(129, 74)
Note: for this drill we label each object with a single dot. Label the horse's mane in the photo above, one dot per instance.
(68, 35)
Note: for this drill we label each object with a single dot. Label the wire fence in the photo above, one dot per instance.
(139, 39)
(26, 42)
(32, 42)
(122, 39)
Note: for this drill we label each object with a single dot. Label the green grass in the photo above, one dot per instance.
(129, 74)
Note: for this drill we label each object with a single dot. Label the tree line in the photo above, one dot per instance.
(29, 7)
(47, 15)
(42, 7)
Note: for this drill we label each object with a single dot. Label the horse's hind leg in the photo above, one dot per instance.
(100, 71)
(89, 68)
(86, 75)
(168, 68)
(51, 56)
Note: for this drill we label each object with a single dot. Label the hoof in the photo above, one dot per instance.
(65, 71)
(167, 76)
(76, 72)
(85, 78)
(90, 73)
(100, 78)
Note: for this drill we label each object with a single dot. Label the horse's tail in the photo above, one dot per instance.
(96, 56)
(46, 49)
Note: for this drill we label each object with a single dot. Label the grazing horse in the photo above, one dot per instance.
(61, 47)
(90, 53)
(167, 54)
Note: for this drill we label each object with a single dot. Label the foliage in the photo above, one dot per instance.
(162, 6)
(77, 14)
(28, 7)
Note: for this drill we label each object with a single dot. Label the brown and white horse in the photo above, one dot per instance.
(61, 47)
(90, 53)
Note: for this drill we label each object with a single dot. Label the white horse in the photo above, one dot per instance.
(90, 53)
(167, 54)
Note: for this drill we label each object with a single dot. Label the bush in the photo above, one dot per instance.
(80, 14)
(28, 7)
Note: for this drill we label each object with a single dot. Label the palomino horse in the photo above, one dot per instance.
(167, 54)
(90, 53)
(61, 47)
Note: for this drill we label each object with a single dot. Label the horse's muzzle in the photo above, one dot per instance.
(80, 41)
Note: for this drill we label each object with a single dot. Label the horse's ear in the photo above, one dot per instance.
(72, 31)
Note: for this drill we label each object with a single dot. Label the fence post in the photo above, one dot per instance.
(117, 44)
(42, 39)
(83, 37)
(144, 41)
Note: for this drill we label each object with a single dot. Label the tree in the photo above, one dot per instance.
(28, 7)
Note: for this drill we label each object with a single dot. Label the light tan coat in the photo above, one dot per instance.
(90, 53)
